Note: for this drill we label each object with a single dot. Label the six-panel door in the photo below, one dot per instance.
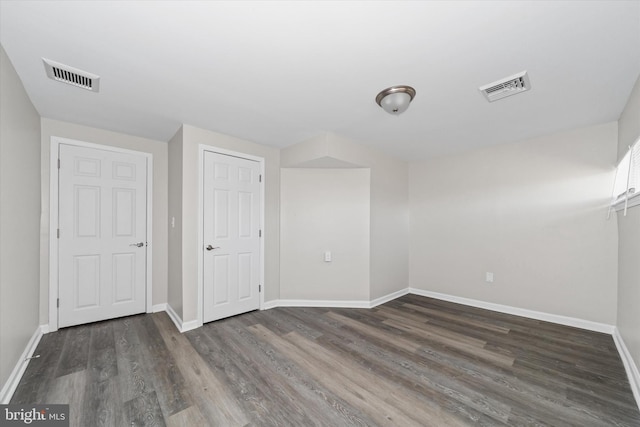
(102, 243)
(231, 220)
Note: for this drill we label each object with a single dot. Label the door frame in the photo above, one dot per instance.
(56, 141)
(201, 150)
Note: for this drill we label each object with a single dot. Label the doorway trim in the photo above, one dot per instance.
(56, 141)
(201, 149)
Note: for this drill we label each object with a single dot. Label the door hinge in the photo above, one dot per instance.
(58, 163)
(259, 233)
(259, 178)
(58, 233)
(259, 288)
(58, 303)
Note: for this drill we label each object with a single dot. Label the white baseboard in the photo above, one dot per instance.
(334, 303)
(190, 325)
(174, 317)
(270, 304)
(531, 314)
(157, 308)
(389, 297)
(18, 371)
(319, 303)
(182, 326)
(629, 365)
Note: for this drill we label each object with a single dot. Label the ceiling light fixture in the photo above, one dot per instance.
(396, 99)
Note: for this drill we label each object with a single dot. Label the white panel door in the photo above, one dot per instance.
(231, 259)
(102, 244)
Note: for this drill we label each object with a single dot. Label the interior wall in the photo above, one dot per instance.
(192, 138)
(324, 210)
(629, 239)
(389, 213)
(159, 151)
(174, 291)
(19, 217)
(534, 213)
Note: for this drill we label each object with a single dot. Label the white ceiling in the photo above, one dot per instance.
(278, 73)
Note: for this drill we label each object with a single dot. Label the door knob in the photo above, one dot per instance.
(139, 244)
(210, 248)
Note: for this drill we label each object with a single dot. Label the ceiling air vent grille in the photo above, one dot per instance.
(512, 85)
(73, 76)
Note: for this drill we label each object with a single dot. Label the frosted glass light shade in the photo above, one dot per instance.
(395, 103)
(395, 100)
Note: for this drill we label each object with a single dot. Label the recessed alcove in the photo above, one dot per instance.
(332, 192)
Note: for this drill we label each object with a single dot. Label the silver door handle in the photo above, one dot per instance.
(210, 248)
(140, 244)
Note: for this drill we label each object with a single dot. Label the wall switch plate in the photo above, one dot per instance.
(327, 256)
(489, 277)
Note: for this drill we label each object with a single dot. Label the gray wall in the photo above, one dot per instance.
(534, 213)
(389, 215)
(159, 151)
(187, 203)
(19, 217)
(175, 230)
(629, 239)
(324, 210)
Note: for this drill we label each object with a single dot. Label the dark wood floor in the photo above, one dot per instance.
(414, 361)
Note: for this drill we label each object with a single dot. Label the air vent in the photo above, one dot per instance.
(513, 85)
(73, 76)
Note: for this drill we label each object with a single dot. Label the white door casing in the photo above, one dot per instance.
(102, 243)
(231, 250)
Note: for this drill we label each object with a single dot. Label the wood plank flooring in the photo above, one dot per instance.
(414, 361)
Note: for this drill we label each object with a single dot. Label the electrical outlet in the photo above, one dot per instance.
(489, 277)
